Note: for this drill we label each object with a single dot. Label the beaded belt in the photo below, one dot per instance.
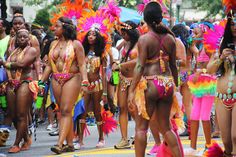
(228, 100)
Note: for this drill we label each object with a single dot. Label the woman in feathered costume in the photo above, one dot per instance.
(224, 66)
(95, 36)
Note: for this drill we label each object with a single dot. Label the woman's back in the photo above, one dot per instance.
(160, 48)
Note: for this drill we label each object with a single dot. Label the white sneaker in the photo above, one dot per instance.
(190, 152)
(77, 146)
(50, 127)
(100, 144)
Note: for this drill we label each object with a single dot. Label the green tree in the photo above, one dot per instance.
(38, 2)
(42, 18)
(213, 7)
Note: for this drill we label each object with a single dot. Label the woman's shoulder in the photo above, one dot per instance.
(76, 43)
(31, 49)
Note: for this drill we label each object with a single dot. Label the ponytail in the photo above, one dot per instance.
(161, 29)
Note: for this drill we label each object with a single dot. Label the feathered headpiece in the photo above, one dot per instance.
(71, 10)
(229, 5)
(102, 21)
(163, 3)
(212, 37)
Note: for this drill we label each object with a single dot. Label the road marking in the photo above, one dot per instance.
(110, 150)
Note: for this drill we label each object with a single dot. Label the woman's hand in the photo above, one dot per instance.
(131, 101)
(227, 54)
(115, 67)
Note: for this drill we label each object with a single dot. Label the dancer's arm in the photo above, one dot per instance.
(104, 80)
(29, 58)
(171, 50)
(37, 63)
(139, 68)
(180, 53)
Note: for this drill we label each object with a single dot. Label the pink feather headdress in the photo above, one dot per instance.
(97, 21)
(163, 3)
(212, 37)
(111, 10)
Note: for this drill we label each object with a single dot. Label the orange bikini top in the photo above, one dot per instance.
(69, 56)
(162, 58)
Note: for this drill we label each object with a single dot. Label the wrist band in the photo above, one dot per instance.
(104, 93)
(8, 65)
(119, 66)
(85, 83)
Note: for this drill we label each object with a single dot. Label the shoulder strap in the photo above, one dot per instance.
(161, 40)
(70, 54)
(54, 68)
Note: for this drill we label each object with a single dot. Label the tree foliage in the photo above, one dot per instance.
(39, 2)
(42, 18)
(213, 7)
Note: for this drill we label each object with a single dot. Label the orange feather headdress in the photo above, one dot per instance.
(229, 5)
(72, 10)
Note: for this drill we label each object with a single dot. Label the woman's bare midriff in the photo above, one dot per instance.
(73, 69)
(128, 72)
(222, 83)
(25, 74)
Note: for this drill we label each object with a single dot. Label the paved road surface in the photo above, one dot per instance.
(41, 148)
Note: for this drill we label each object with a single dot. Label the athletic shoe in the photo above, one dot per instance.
(123, 144)
(190, 152)
(100, 144)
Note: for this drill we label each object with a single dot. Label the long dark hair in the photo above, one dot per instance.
(69, 32)
(133, 36)
(182, 33)
(227, 42)
(153, 17)
(99, 45)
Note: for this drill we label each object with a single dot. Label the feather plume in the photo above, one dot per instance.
(212, 37)
(214, 151)
(229, 5)
(164, 5)
(111, 10)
